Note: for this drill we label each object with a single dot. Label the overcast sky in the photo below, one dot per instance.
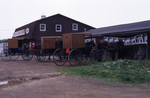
(97, 13)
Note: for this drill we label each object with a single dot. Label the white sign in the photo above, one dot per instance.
(116, 39)
(133, 39)
(27, 30)
(138, 39)
(19, 33)
(88, 40)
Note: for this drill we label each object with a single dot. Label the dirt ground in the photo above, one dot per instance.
(49, 85)
(25, 68)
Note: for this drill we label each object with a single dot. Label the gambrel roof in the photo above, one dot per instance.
(56, 15)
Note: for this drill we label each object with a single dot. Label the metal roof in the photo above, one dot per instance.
(125, 30)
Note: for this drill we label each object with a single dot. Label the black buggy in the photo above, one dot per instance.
(45, 50)
(17, 47)
(74, 49)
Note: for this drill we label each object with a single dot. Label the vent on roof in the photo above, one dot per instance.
(43, 16)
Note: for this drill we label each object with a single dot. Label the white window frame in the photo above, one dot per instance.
(58, 27)
(43, 28)
(75, 27)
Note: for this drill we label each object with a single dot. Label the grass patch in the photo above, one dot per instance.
(127, 71)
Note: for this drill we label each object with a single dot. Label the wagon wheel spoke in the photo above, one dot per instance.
(42, 55)
(95, 55)
(27, 55)
(59, 57)
(36, 55)
(6, 55)
(75, 57)
(14, 56)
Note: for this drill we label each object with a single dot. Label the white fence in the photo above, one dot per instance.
(3, 46)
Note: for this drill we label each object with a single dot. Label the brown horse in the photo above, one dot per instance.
(112, 48)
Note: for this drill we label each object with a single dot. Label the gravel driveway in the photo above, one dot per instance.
(25, 68)
(61, 86)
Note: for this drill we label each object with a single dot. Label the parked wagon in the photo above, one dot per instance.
(74, 49)
(17, 47)
(47, 47)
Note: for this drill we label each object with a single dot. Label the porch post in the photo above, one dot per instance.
(148, 47)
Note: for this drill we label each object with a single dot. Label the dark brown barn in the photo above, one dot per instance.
(54, 25)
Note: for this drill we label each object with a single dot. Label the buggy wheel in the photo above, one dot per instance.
(75, 57)
(59, 57)
(95, 55)
(6, 55)
(36, 55)
(14, 56)
(27, 55)
(42, 54)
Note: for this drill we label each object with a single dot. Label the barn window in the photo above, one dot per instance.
(74, 26)
(58, 27)
(42, 27)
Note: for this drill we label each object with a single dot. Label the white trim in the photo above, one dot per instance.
(75, 27)
(58, 27)
(43, 28)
